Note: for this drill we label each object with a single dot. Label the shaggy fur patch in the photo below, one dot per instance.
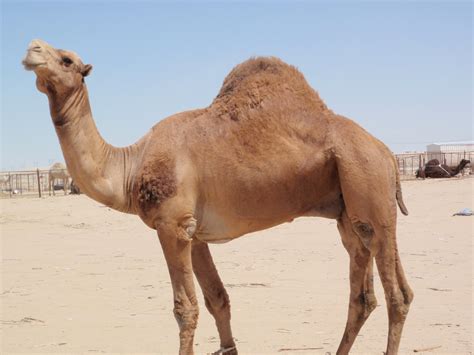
(156, 184)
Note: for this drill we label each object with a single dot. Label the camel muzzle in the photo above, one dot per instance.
(33, 57)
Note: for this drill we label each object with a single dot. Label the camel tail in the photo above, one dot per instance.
(398, 193)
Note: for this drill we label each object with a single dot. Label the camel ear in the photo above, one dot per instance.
(87, 70)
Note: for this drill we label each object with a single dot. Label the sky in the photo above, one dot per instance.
(401, 69)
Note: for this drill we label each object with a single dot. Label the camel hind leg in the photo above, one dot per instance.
(398, 293)
(369, 188)
(363, 241)
(362, 299)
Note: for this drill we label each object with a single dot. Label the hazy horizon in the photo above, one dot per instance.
(402, 70)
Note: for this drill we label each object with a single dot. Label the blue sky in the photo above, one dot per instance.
(401, 69)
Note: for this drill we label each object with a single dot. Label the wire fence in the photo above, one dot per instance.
(32, 182)
(409, 163)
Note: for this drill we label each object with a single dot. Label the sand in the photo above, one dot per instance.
(78, 277)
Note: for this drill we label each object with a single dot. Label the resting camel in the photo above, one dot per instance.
(267, 150)
(433, 169)
(58, 171)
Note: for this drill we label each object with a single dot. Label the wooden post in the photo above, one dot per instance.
(39, 185)
(10, 183)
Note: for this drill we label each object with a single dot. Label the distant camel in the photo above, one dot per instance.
(56, 172)
(433, 169)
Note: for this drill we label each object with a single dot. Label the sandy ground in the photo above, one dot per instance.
(78, 277)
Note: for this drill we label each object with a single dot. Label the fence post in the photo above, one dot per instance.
(39, 185)
(10, 183)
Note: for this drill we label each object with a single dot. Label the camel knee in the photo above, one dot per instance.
(399, 304)
(365, 303)
(364, 231)
(408, 295)
(186, 315)
(368, 301)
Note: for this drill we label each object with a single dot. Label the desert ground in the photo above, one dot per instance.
(78, 277)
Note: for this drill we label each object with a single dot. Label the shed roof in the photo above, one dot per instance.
(453, 143)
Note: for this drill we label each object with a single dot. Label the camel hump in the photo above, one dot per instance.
(264, 71)
(58, 166)
(263, 76)
(264, 80)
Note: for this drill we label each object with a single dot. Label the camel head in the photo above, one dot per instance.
(59, 72)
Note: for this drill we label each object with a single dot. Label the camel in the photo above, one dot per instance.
(433, 169)
(265, 151)
(58, 171)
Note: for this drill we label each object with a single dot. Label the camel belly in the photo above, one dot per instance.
(218, 228)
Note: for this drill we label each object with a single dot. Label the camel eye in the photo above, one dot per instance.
(67, 61)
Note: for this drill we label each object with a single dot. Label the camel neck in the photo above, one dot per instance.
(99, 169)
(458, 169)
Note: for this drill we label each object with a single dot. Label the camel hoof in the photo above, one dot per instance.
(226, 351)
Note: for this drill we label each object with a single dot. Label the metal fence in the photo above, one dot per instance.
(36, 182)
(409, 163)
(29, 182)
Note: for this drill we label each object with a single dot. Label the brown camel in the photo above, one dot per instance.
(433, 169)
(267, 150)
(58, 171)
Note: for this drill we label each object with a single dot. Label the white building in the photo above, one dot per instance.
(450, 153)
(450, 147)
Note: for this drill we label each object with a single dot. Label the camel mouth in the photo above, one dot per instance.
(34, 57)
(32, 65)
(31, 61)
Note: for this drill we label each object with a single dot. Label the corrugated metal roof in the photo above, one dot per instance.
(453, 143)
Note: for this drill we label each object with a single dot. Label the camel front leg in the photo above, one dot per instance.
(177, 250)
(362, 299)
(215, 295)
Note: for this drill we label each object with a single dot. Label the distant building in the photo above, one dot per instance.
(450, 152)
(450, 147)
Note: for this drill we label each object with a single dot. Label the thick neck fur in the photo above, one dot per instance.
(102, 171)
